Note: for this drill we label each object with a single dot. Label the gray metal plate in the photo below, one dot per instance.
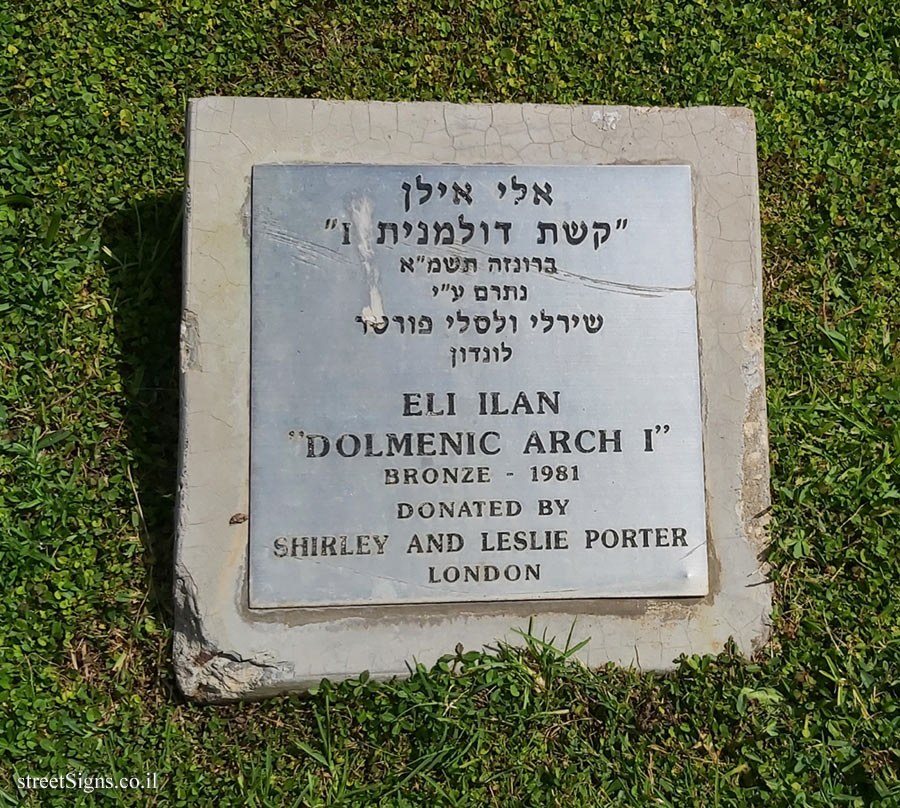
(506, 327)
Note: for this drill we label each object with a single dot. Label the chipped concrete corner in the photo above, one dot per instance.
(206, 672)
(226, 651)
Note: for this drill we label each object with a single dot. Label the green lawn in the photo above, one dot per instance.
(92, 99)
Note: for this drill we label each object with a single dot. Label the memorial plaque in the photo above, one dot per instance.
(450, 372)
(473, 383)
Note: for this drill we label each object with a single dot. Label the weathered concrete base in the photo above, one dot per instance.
(223, 649)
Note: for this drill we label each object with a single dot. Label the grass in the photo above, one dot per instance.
(92, 100)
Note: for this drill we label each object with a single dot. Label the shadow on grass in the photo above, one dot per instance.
(145, 285)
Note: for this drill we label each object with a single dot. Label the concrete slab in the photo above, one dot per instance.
(224, 650)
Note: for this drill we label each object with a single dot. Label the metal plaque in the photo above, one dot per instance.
(473, 383)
